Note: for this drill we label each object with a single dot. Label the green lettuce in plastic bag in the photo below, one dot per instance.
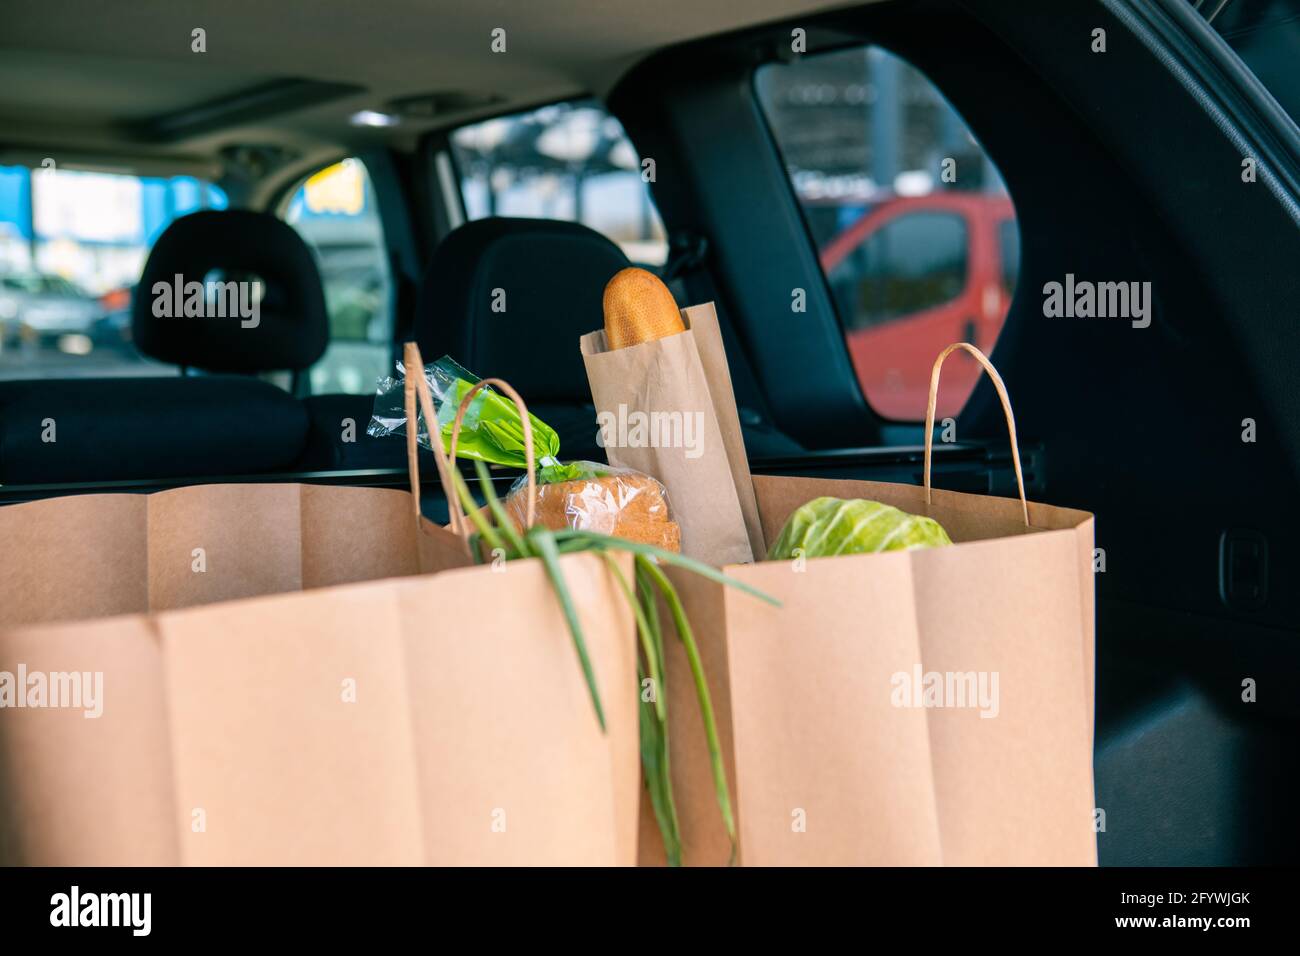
(825, 527)
(491, 430)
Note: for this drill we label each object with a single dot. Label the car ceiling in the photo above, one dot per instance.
(116, 85)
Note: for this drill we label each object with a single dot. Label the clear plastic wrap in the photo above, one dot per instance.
(582, 495)
(491, 430)
(614, 501)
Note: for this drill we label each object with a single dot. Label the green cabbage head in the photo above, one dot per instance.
(825, 527)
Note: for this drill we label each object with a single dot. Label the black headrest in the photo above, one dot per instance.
(290, 328)
(551, 276)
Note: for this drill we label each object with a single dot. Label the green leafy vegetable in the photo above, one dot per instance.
(492, 430)
(553, 474)
(825, 527)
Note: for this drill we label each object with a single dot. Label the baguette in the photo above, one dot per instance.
(639, 308)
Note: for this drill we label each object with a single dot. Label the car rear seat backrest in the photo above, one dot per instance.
(192, 426)
(509, 298)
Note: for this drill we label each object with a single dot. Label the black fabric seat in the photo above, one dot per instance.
(191, 425)
(145, 428)
(337, 439)
(509, 298)
(551, 276)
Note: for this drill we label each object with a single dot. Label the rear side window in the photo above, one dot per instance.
(569, 161)
(1009, 251)
(336, 214)
(912, 223)
(913, 263)
(72, 246)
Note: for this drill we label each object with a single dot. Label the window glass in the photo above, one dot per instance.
(72, 247)
(912, 223)
(908, 265)
(336, 214)
(1009, 253)
(569, 161)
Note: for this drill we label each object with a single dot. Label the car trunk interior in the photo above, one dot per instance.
(1141, 426)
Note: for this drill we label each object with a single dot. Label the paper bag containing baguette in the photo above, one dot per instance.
(665, 407)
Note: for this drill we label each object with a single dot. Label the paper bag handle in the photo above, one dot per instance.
(417, 387)
(530, 458)
(1006, 410)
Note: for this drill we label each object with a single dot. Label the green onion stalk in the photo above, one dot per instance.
(497, 531)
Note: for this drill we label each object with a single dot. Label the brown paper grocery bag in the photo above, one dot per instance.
(247, 693)
(677, 392)
(829, 761)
